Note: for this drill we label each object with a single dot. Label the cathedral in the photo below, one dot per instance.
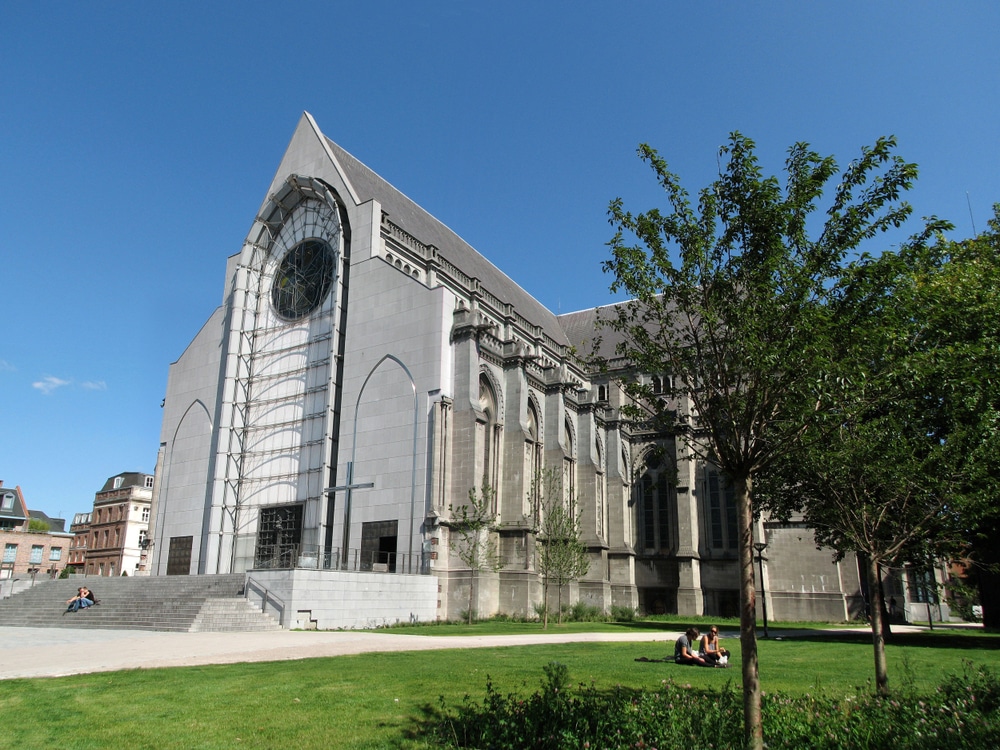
(366, 370)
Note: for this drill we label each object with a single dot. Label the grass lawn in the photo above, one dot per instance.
(379, 700)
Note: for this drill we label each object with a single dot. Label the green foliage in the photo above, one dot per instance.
(962, 713)
(472, 538)
(743, 306)
(37, 524)
(560, 554)
(66, 572)
(624, 614)
(557, 717)
(316, 703)
(903, 469)
(962, 596)
(583, 612)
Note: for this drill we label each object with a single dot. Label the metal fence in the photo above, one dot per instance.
(310, 557)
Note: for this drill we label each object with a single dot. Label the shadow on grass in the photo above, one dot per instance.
(945, 639)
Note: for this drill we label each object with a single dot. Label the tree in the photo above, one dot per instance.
(37, 524)
(903, 471)
(731, 298)
(561, 556)
(473, 540)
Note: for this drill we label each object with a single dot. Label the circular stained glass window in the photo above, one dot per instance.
(303, 279)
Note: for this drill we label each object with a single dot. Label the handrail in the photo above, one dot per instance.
(265, 597)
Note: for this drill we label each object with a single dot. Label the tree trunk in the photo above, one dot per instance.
(752, 726)
(878, 638)
(472, 592)
(545, 603)
(559, 602)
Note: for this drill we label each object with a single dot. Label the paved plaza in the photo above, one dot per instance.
(53, 652)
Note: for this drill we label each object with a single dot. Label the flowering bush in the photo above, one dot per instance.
(962, 713)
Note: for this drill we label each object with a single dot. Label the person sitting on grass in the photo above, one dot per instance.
(683, 653)
(710, 650)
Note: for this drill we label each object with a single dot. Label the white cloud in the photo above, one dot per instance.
(6, 366)
(48, 384)
(94, 385)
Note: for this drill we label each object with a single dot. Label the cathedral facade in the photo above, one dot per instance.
(367, 368)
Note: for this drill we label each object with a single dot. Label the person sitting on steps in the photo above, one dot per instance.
(84, 598)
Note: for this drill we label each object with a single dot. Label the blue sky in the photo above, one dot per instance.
(137, 141)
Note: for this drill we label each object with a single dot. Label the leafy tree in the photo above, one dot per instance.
(732, 298)
(472, 538)
(903, 471)
(561, 555)
(37, 524)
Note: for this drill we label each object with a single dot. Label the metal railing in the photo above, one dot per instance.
(311, 557)
(266, 597)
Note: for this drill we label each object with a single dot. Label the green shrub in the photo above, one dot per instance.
(583, 612)
(623, 614)
(962, 713)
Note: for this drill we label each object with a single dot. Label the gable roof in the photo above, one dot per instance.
(19, 509)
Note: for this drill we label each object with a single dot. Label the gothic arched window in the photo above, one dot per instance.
(656, 501)
(488, 447)
(720, 506)
(569, 463)
(532, 459)
(599, 482)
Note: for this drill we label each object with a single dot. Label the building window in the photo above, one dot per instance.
(656, 498)
(721, 501)
(9, 553)
(149, 482)
(36, 554)
(922, 586)
(145, 515)
(119, 481)
(533, 461)
(55, 553)
(569, 464)
(8, 501)
(600, 488)
(490, 434)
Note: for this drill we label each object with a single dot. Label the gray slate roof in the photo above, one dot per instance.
(129, 479)
(416, 221)
(582, 330)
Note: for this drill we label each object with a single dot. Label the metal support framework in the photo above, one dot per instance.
(261, 383)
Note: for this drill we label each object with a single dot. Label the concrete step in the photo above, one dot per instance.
(140, 603)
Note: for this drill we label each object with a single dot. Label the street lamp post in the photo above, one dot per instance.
(760, 547)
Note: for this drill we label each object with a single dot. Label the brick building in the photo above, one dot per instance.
(28, 553)
(111, 539)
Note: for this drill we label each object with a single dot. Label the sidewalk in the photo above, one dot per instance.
(54, 652)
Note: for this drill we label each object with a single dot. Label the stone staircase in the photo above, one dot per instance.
(179, 603)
